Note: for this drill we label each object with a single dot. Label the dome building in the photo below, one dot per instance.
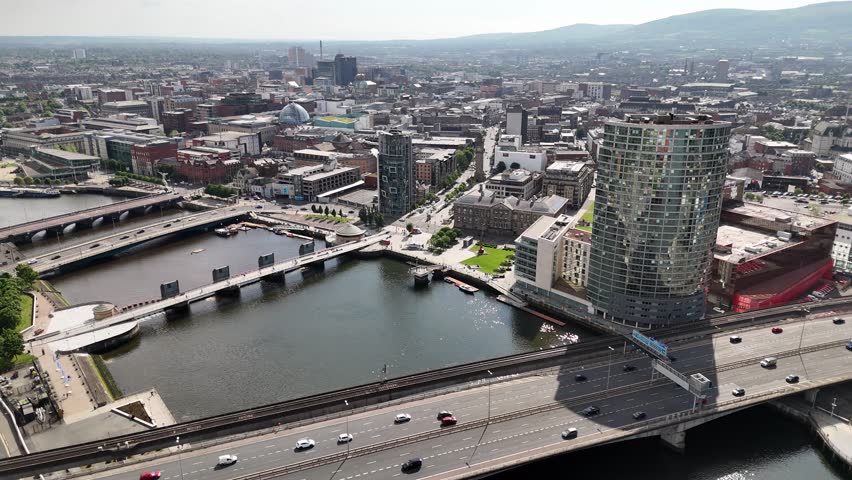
(345, 234)
(293, 114)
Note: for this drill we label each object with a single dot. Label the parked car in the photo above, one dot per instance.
(792, 378)
(402, 418)
(305, 444)
(412, 465)
(838, 321)
(570, 433)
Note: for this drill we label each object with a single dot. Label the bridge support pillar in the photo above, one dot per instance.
(675, 438)
(275, 277)
(811, 395)
(179, 307)
(230, 291)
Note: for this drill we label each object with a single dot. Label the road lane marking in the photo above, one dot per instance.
(466, 439)
(437, 446)
(269, 446)
(376, 436)
(370, 463)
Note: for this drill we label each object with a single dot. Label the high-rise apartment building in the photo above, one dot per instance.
(658, 200)
(296, 56)
(396, 173)
(722, 67)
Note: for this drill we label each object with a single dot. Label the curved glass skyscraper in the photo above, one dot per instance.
(658, 199)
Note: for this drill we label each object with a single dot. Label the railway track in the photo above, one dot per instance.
(137, 442)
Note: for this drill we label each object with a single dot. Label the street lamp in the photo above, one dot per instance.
(347, 426)
(487, 422)
(608, 367)
(180, 463)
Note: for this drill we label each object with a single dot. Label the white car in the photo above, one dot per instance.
(32, 262)
(305, 444)
(344, 438)
(718, 310)
(402, 418)
(225, 460)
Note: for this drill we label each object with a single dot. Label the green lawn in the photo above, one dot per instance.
(489, 262)
(25, 319)
(329, 218)
(588, 216)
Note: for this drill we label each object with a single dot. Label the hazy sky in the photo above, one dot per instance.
(336, 19)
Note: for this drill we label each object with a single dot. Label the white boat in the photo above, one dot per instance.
(223, 232)
(198, 250)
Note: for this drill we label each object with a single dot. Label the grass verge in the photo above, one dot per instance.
(588, 217)
(329, 218)
(106, 377)
(25, 319)
(489, 262)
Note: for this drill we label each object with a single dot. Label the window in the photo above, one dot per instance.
(391, 169)
(392, 190)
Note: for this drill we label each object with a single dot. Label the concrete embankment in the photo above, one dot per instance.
(833, 431)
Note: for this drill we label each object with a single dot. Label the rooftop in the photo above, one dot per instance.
(799, 220)
(759, 243)
(563, 166)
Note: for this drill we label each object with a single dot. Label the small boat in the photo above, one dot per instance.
(198, 250)
(468, 289)
(223, 232)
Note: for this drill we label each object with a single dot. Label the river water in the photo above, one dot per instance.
(338, 327)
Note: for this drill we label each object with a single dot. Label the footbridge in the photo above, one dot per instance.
(85, 218)
(80, 337)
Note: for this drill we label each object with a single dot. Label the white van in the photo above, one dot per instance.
(225, 460)
(768, 362)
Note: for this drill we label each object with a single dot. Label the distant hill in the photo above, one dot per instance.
(821, 23)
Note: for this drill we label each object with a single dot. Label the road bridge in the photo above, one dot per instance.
(508, 414)
(80, 337)
(85, 218)
(113, 243)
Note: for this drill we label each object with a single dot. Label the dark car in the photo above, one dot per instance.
(736, 339)
(738, 392)
(792, 378)
(629, 368)
(56, 257)
(777, 330)
(838, 321)
(580, 378)
(412, 465)
(444, 413)
(639, 415)
(448, 421)
(849, 345)
(95, 245)
(124, 237)
(590, 411)
(140, 231)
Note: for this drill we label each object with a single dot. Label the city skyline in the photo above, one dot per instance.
(277, 21)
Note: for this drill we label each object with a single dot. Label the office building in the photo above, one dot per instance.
(722, 67)
(659, 195)
(79, 54)
(578, 250)
(517, 122)
(572, 180)
(177, 120)
(136, 107)
(345, 69)
(519, 183)
(538, 251)
(396, 173)
(482, 212)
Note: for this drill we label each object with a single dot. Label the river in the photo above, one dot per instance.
(339, 327)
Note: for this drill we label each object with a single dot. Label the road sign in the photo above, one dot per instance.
(649, 342)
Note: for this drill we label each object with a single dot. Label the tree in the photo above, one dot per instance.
(580, 133)
(333, 212)
(26, 275)
(772, 133)
(326, 210)
(798, 191)
(11, 345)
(409, 227)
(342, 213)
(174, 133)
(379, 220)
(28, 180)
(362, 214)
(500, 166)
(515, 165)
(314, 208)
(37, 181)
(19, 181)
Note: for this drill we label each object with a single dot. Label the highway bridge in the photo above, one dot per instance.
(113, 243)
(78, 338)
(85, 218)
(511, 410)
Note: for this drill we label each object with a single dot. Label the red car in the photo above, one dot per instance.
(150, 476)
(777, 329)
(447, 421)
